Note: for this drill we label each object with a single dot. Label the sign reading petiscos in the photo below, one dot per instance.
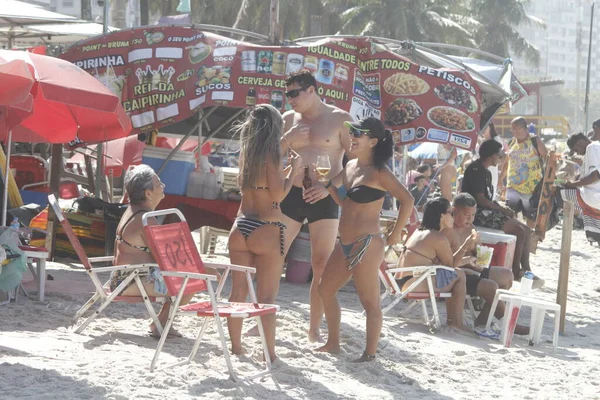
(165, 74)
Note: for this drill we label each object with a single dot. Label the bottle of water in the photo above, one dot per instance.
(15, 224)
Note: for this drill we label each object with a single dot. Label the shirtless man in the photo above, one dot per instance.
(313, 128)
(490, 279)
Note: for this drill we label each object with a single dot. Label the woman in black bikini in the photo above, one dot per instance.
(428, 246)
(145, 192)
(360, 189)
(256, 239)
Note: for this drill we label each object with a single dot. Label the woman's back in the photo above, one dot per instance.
(425, 247)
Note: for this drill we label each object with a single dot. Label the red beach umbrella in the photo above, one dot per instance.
(68, 106)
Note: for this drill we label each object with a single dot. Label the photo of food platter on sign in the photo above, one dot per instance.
(166, 74)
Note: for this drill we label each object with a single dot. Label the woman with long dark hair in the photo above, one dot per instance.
(428, 246)
(256, 239)
(360, 189)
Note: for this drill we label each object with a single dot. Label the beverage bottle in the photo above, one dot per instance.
(15, 224)
(306, 182)
(251, 97)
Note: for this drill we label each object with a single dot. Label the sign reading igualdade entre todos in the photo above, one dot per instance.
(165, 74)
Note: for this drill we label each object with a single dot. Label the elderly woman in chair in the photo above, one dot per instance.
(145, 192)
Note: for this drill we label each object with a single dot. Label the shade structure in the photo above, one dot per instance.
(120, 154)
(68, 105)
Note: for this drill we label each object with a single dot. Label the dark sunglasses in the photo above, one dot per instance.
(358, 132)
(292, 94)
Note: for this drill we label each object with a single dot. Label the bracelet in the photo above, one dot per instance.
(328, 184)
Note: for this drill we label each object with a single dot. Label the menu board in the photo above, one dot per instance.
(166, 74)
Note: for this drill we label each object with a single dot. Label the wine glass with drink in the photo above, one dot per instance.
(322, 167)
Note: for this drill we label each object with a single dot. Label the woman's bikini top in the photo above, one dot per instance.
(360, 194)
(434, 260)
(120, 238)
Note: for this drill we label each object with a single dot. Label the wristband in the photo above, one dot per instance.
(328, 184)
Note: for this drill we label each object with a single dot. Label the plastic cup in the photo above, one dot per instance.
(484, 255)
(526, 285)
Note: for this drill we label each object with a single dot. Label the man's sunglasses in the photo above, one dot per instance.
(358, 132)
(292, 94)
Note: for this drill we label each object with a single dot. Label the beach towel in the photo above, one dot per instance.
(590, 215)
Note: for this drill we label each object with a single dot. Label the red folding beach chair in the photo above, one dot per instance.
(174, 250)
(103, 293)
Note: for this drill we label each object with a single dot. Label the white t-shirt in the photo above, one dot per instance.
(591, 162)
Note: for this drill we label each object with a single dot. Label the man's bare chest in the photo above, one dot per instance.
(322, 134)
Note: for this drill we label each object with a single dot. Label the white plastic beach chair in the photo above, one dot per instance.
(174, 250)
(103, 294)
(422, 273)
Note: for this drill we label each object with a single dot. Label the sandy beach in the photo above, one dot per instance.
(41, 358)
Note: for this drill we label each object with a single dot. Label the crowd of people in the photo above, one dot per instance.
(281, 191)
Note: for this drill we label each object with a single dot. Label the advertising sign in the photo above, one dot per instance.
(166, 74)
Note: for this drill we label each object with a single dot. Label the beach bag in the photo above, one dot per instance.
(15, 263)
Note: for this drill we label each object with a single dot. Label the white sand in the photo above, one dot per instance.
(40, 358)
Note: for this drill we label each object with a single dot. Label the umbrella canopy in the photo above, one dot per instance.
(68, 105)
(17, 81)
(429, 150)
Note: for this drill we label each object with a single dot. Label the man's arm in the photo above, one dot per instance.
(541, 148)
(588, 180)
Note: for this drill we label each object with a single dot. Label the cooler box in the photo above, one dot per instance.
(504, 247)
(175, 174)
(298, 265)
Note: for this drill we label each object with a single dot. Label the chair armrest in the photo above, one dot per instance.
(124, 267)
(232, 267)
(190, 275)
(421, 268)
(100, 259)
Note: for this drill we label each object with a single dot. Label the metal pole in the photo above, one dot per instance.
(105, 16)
(100, 148)
(182, 141)
(274, 23)
(578, 43)
(589, 70)
(6, 172)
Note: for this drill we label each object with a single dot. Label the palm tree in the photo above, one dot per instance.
(418, 20)
(498, 23)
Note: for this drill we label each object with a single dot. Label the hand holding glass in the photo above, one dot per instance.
(323, 167)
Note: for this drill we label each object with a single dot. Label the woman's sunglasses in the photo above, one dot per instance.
(292, 94)
(358, 132)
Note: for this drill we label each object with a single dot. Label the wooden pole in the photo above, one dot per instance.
(565, 253)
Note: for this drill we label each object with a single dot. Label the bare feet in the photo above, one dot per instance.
(315, 337)
(329, 348)
(238, 351)
(364, 358)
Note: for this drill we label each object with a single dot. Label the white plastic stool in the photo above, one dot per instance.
(208, 238)
(538, 311)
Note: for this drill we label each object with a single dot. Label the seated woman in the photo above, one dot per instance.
(429, 246)
(256, 238)
(145, 191)
(363, 184)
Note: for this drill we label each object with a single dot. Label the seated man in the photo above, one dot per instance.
(585, 191)
(420, 191)
(490, 214)
(464, 208)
